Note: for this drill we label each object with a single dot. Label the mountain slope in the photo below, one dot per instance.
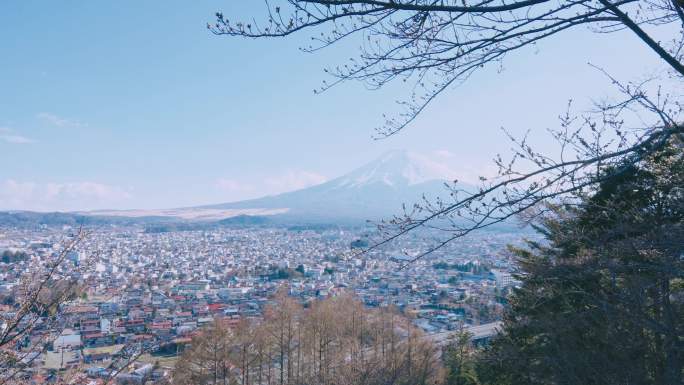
(375, 190)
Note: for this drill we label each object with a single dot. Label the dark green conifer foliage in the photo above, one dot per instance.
(602, 300)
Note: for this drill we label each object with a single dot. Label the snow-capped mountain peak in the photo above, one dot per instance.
(396, 168)
(375, 190)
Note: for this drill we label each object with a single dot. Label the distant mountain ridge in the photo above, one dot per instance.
(372, 191)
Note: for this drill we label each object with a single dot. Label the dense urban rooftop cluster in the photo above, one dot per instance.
(140, 295)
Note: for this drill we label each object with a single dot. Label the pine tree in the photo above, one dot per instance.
(602, 300)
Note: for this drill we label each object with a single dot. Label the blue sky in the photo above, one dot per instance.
(134, 104)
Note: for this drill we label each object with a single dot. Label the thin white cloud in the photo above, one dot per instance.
(15, 139)
(233, 186)
(460, 170)
(28, 195)
(8, 135)
(233, 189)
(294, 180)
(59, 121)
(444, 154)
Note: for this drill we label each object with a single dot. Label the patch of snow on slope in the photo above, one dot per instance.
(397, 168)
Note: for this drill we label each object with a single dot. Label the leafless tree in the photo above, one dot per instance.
(334, 341)
(208, 361)
(280, 325)
(436, 44)
(41, 311)
(26, 332)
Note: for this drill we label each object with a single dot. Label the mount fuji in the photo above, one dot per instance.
(375, 190)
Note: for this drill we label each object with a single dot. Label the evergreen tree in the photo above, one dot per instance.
(602, 299)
